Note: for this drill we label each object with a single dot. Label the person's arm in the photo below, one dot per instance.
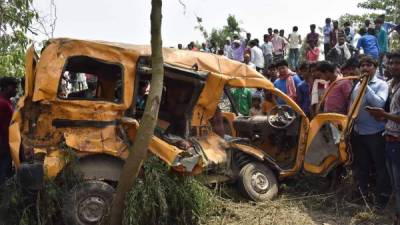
(243, 44)
(5, 117)
(377, 98)
(331, 36)
(252, 55)
(300, 97)
(296, 80)
(385, 42)
(377, 44)
(299, 39)
(359, 43)
(308, 39)
(283, 44)
(380, 114)
(249, 98)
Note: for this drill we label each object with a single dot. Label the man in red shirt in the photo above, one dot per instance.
(338, 98)
(8, 89)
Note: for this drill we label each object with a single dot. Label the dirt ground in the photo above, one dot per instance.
(300, 201)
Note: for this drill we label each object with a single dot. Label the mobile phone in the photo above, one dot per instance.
(370, 108)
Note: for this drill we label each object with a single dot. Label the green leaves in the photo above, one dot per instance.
(390, 8)
(16, 17)
(220, 35)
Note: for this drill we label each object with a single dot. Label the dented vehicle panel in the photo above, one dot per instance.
(87, 96)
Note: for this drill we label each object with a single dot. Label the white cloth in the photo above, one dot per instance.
(346, 50)
(355, 39)
(257, 57)
(251, 65)
(294, 40)
(267, 48)
(317, 94)
(228, 51)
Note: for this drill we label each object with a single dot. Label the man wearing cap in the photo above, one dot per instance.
(227, 48)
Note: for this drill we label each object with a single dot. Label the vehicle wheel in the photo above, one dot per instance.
(258, 182)
(87, 203)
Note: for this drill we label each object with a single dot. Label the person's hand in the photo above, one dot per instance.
(377, 113)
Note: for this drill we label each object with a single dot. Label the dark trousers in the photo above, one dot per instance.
(393, 166)
(327, 48)
(294, 57)
(267, 61)
(5, 167)
(278, 57)
(369, 150)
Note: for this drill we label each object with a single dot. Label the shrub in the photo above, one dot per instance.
(163, 198)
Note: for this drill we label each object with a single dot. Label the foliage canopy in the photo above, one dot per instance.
(16, 18)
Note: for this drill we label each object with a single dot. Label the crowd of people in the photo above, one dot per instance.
(340, 43)
(295, 69)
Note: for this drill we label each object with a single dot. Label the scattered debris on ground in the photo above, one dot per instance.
(302, 200)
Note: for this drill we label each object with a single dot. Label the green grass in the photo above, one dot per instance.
(163, 198)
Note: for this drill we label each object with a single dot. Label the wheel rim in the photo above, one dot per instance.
(259, 182)
(92, 209)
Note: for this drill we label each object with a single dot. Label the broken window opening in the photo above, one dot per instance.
(86, 78)
(181, 91)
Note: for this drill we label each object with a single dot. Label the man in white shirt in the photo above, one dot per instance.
(267, 50)
(294, 48)
(227, 48)
(327, 30)
(256, 56)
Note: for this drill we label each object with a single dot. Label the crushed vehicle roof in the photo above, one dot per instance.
(59, 50)
(186, 59)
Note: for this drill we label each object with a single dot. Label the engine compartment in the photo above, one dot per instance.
(280, 144)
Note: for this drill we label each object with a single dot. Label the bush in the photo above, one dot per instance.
(163, 198)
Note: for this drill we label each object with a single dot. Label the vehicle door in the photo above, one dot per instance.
(328, 136)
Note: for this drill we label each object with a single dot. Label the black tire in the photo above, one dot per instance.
(88, 203)
(257, 182)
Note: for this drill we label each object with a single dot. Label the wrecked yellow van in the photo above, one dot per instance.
(89, 95)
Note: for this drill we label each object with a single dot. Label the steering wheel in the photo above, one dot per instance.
(281, 116)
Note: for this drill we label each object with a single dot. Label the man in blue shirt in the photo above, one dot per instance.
(327, 34)
(286, 82)
(367, 141)
(304, 89)
(383, 41)
(368, 43)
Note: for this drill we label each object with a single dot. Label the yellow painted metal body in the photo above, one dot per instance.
(42, 104)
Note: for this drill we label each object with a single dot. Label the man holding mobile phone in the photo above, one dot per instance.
(367, 141)
(392, 129)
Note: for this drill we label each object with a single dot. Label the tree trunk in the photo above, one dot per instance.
(137, 153)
